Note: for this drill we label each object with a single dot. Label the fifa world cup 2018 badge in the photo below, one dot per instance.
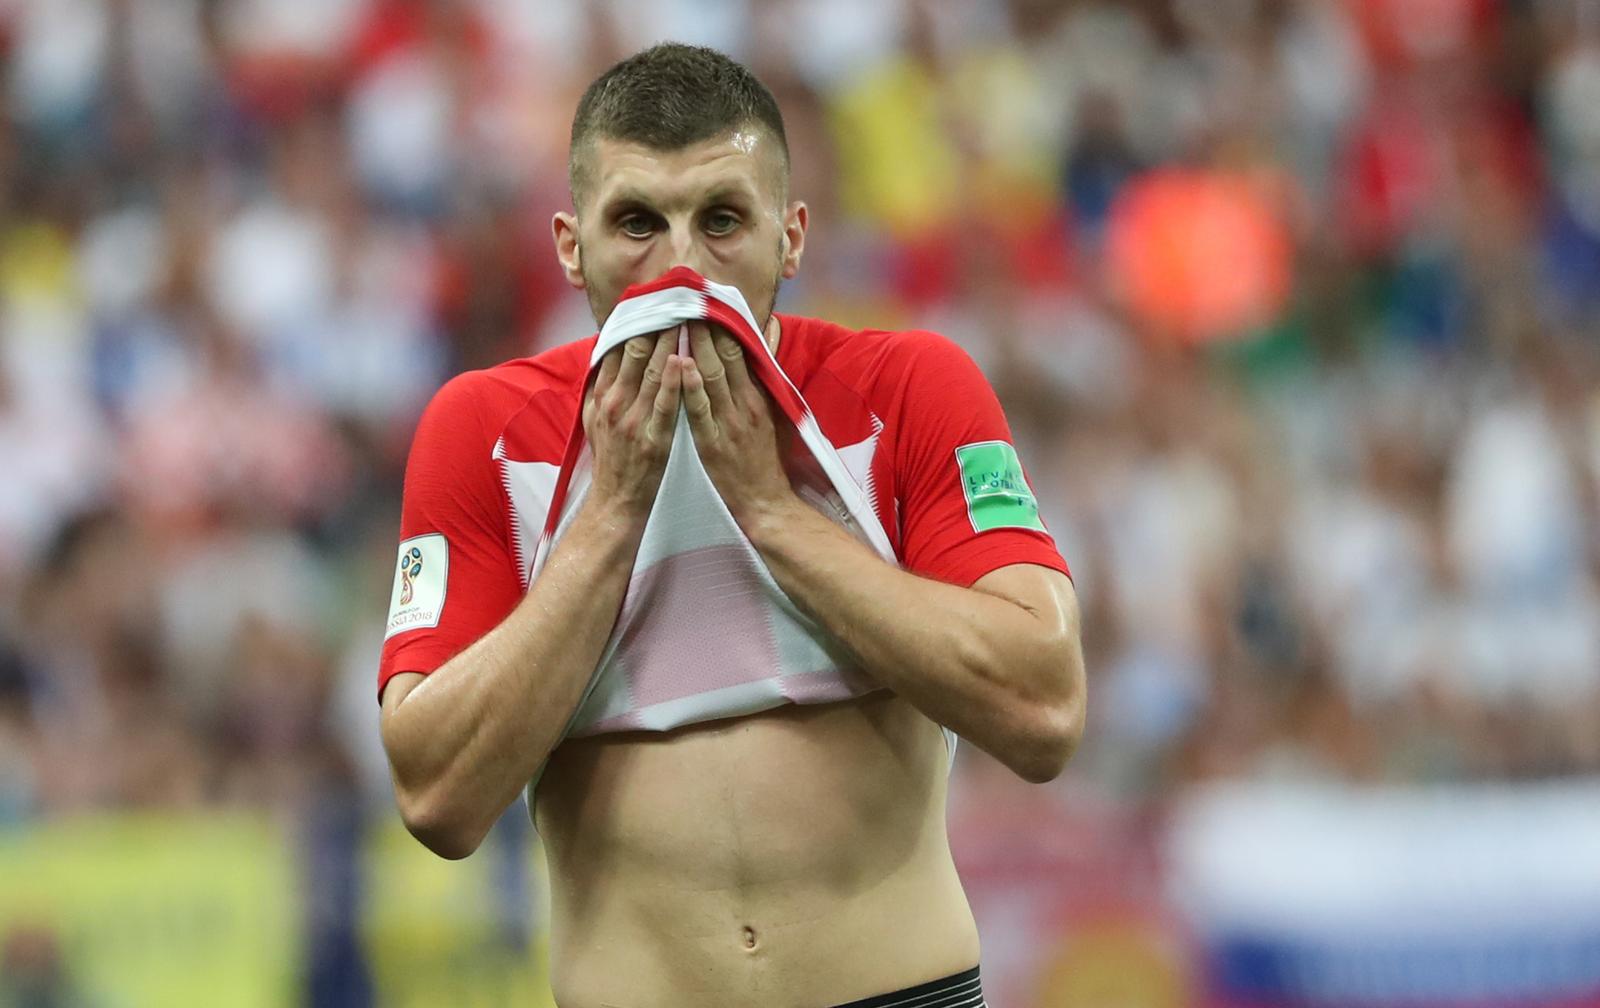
(410, 567)
(417, 598)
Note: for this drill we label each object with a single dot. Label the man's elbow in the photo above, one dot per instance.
(1054, 739)
(450, 844)
(1048, 756)
(441, 830)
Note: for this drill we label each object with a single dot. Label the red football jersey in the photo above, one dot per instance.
(911, 415)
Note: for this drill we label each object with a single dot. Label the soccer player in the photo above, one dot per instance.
(793, 856)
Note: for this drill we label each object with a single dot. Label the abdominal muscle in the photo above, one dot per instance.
(793, 857)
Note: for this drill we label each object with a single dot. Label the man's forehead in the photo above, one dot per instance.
(743, 158)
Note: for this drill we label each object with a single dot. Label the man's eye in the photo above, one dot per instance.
(721, 222)
(637, 226)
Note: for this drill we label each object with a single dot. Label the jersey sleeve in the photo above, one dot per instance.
(966, 506)
(455, 577)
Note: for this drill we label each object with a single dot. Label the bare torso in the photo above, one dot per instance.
(796, 857)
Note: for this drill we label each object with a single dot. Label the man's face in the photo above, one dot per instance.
(718, 207)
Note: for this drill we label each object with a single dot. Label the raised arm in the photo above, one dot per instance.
(998, 663)
(996, 657)
(465, 739)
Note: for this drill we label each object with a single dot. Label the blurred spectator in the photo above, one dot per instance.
(32, 973)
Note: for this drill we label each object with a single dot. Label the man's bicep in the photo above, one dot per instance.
(1043, 591)
(1048, 595)
(397, 689)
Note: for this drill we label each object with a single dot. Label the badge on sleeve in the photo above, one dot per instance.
(419, 583)
(998, 495)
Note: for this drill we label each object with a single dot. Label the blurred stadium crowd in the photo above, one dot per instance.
(1293, 306)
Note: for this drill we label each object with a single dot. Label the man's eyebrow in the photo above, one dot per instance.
(629, 198)
(625, 199)
(730, 191)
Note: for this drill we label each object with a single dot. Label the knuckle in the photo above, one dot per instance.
(652, 375)
(639, 347)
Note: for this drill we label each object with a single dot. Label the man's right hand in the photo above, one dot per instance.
(467, 739)
(629, 416)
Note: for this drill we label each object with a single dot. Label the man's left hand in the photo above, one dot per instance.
(731, 418)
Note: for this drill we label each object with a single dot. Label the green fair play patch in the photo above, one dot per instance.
(998, 495)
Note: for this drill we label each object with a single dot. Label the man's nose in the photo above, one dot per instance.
(687, 250)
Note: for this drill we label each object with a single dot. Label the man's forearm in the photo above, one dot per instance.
(470, 736)
(984, 666)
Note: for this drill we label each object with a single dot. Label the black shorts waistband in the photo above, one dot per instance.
(958, 990)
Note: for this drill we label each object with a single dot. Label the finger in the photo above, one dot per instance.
(664, 411)
(654, 371)
(709, 368)
(733, 363)
(607, 372)
(635, 355)
(702, 421)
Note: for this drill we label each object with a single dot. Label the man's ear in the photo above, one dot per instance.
(564, 228)
(795, 221)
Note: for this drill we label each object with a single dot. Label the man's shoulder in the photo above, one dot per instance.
(881, 360)
(831, 344)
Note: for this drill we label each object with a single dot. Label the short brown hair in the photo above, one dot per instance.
(668, 97)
